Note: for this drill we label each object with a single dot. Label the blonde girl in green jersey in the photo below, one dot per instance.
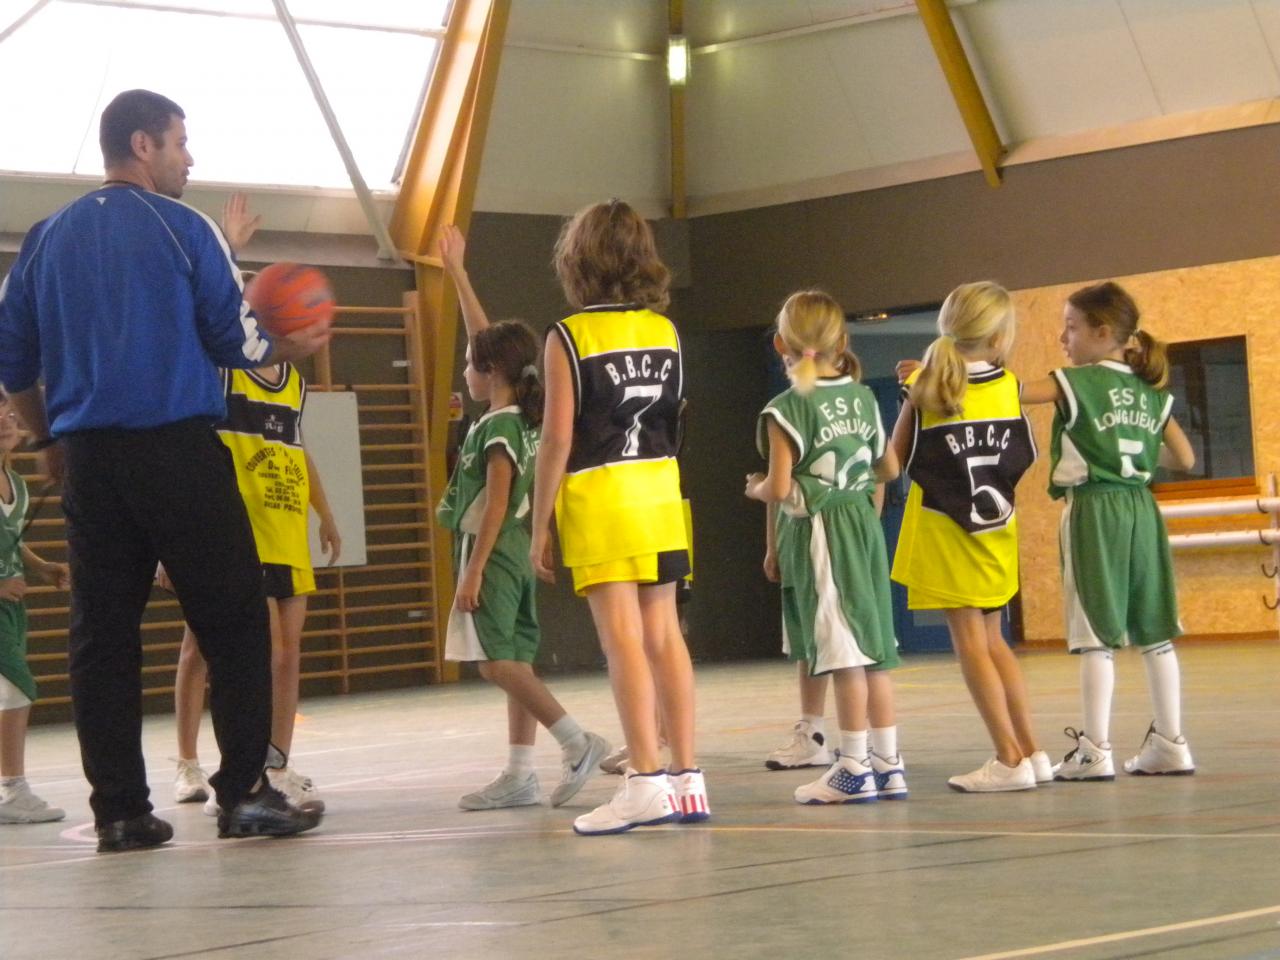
(1111, 428)
(827, 451)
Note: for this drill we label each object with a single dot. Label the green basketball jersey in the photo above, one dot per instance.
(837, 434)
(11, 521)
(1107, 428)
(463, 503)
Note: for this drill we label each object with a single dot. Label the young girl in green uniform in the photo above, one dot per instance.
(827, 450)
(17, 686)
(1111, 429)
(494, 620)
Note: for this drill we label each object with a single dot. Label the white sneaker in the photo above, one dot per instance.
(210, 807)
(691, 796)
(846, 781)
(994, 777)
(297, 789)
(807, 748)
(1088, 761)
(190, 783)
(507, 790)
(616, 762)
(640, 801)
(574, 774)
(20, 805)
(1041, 766)
(890, 777)
(1161, 756)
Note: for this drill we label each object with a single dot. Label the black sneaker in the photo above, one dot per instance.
(136, 833)
(265, 813)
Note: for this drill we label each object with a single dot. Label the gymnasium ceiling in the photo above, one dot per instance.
(787, 99)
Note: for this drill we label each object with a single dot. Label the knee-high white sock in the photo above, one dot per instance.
(1164, 683)
(1097, 684)
(853, 744)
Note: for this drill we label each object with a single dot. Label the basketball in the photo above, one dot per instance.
(290, 296)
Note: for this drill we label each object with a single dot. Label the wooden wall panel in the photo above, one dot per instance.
(1220, 591)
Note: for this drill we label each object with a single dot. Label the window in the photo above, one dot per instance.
(1209, 380)
(251, 117)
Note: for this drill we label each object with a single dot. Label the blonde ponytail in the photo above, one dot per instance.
(975, 316)
(811, 325)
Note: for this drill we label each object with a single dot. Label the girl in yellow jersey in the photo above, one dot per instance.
(607, 463)
(965, 444)
(278, 482)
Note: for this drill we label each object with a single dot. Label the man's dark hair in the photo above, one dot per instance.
(129, 112)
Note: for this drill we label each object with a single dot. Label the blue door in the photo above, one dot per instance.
(919, 631)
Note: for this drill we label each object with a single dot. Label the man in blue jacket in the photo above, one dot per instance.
(127, 302)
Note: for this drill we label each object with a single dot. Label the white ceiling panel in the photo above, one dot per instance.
(1203, 54)
(568, 129)
(634, 26)
(896, 89)
(1059, 67)
(718, 21)
(769, 114)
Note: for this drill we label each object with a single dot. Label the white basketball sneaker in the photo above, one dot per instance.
(890, 777)
(1088, 761)
(19, 805)
(1041, 766)
(1161, 756)
(640, 801)
(994, 777)
(505, 790)
(690, 790)
(846, 781)
(574, 773)
(190, 783)
(806, 748)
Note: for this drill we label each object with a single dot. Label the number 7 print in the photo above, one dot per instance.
(653, 391)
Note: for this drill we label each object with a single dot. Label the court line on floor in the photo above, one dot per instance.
(1119, 937)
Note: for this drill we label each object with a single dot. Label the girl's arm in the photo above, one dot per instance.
(773, 487)
(553, 452)
(453, 250)
(499, 472)
(1041, 391)
(771, 543)
(1176, 452)
(57, 574)
(330, 538)
(902, 430)
(886, 469)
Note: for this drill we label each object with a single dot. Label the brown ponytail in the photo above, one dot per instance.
(1109, 304)
(509, 348)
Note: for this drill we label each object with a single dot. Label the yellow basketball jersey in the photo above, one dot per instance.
(263, 431)
(620, 496)
(959, 541)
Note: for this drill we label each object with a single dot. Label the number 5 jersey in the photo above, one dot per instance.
(959, 541)
(620, 496)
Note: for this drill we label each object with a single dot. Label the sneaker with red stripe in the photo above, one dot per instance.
(690, 789)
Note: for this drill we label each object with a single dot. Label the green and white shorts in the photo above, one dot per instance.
(1117, 572)
(836, 606)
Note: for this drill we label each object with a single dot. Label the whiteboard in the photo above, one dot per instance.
(331, 434)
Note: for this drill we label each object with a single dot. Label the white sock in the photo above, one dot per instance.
(1164, 683)
(853, 744)
(884, 742)
(1097, 683)
(569, 735)
(815, 722)
(520, 760)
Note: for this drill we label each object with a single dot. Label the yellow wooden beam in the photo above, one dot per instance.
(964, 87)
(438, 188)
(679, 198)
